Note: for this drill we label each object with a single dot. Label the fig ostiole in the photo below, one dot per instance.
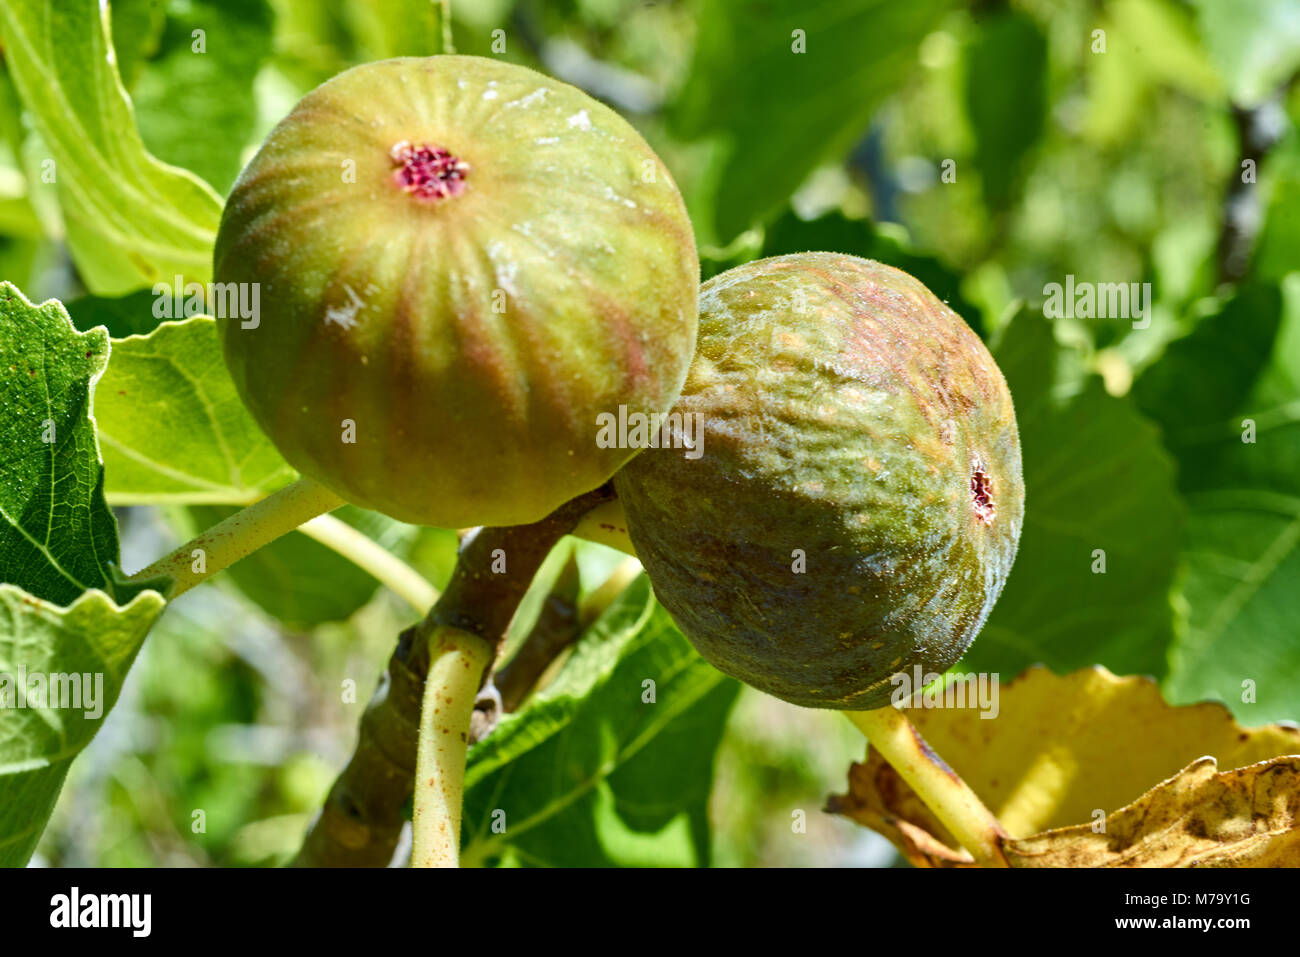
(859, 501)
(461, 265)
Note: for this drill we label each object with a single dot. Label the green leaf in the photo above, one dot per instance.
(589, 773)
(1254, 43)
(172, 427)
(86, 648)
(783, 112)
(204, 82)
(1006, 99)
(835, 232)
(1236, 372)
(18, 219)
(131, 221)
(1096, 478)
(57, 535)
(58, 547)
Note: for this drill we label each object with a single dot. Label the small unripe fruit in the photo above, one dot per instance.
(855, 504)
(461, 265)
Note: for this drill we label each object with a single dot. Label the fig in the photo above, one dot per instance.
(837, 495)
(460, 264)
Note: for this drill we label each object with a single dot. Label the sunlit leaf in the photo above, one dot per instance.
(84, 650)
(172, 427)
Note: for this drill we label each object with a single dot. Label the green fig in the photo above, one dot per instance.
(838, 496)
(461, 264)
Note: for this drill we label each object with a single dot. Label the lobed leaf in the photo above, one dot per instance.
(201, 81)
(782, 112)
(90, 644)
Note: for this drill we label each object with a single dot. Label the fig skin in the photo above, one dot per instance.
(850, 417)
(470, 261)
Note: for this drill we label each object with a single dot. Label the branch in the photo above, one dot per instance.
(1259, 129)
(562, 622)
(364, 812)
(557, 628)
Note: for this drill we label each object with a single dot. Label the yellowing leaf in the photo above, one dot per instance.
(1067, 752)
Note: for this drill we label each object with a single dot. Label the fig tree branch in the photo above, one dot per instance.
(556, 629)
(1259, 129)
(363, 814)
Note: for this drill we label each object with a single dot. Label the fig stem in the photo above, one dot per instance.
(368, 555)
(240, 535)
(364, 811)
(606, 525)
(943, 791)
(458, 660)
(596, 603)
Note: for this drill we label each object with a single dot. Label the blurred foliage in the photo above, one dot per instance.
(206, 56)
(989, 148)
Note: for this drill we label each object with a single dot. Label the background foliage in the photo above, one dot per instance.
(989, 149)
